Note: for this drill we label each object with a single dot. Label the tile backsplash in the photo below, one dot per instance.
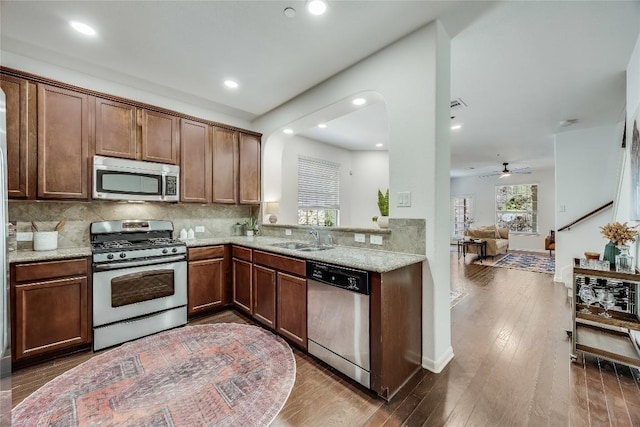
(216, 219)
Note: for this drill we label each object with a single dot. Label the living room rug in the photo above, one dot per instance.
(206, 375)
(526, 262)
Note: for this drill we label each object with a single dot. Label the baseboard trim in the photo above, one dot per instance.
(436, 366)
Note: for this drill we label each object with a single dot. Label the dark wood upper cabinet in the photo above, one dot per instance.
(249, 173)
(195, 162)
(21, 137)
(225, 165)
(115, 129)
(160, 141)
(63, 143)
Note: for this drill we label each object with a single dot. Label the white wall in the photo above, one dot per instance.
(586, 178)
(370, 172)
(484, 203)
(413, 77)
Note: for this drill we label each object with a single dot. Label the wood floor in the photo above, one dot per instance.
(511, 368)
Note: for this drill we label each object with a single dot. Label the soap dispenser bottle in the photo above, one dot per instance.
(183, 234)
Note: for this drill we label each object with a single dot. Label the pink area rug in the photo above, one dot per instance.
(207, 375)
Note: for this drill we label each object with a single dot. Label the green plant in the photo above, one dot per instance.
(250, 223)
(383, 203)
(374, 219)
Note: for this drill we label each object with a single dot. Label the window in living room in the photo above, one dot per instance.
(462, 207)
(517, 208)
(318, 192)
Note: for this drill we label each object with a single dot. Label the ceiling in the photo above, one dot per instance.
(521, 67)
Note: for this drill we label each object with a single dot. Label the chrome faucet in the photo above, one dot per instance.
(316, 235)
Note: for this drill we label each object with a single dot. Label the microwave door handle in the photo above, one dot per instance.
(118, 265)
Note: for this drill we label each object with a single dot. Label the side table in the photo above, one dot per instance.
(463, 248)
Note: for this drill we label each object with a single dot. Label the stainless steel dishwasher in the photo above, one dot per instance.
(338, 319)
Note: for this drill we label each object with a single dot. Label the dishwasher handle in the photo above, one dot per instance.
(339, 277)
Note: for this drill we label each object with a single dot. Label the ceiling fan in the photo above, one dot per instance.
(505, 172)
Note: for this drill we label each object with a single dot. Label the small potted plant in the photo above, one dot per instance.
(251, 224)
(383, 206)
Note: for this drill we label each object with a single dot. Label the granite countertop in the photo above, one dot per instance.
(366, 259)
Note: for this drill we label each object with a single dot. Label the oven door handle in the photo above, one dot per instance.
(140, 263)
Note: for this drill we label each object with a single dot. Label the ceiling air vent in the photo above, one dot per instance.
(457, 103)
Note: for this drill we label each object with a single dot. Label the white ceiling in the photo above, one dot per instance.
(522, 67)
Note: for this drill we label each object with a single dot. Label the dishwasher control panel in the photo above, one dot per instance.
(341, 277)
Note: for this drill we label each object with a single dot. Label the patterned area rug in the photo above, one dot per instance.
(207, 375)
(526, 262)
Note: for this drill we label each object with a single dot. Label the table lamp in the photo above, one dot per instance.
(272, 209)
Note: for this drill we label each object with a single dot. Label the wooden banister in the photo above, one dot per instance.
(583, 217)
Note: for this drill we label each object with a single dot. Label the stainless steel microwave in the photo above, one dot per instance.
(123, 179)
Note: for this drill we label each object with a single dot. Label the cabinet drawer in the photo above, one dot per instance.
(242, 253)
(50, 270)
(209, 252)
(281, 263)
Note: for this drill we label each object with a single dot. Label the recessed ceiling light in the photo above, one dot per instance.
(82, 28)
(289, 12)
(379, 144)
(288, 131)
(322, 125)
(456, 127)
(231, 84)
(359, 101)
(317, 7)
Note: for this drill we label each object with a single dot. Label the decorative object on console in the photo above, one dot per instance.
(618, 234)
(272, 209)
(222, 374)
(383, 206)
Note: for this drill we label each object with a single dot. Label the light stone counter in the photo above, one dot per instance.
(32, 256)
(365, 259)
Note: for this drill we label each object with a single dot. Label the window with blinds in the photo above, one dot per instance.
(318, 191)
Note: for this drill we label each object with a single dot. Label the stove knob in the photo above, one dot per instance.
(165, 250)
(110, 256)
(174, 250)
(123, 255)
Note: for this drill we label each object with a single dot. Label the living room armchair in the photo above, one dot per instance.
(550, 242)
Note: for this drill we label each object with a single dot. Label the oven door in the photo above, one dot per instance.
(138, 291)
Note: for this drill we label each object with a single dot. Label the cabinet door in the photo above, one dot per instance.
(115, 129)
(264, 295)
(160, 137)
(225, 165)
(51, 315)
(292, 308)
(242, 289)
(206, 285)
(63, 143)
(21, 137)
(249, 170)
(195, 162)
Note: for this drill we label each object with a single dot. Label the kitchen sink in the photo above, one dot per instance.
(304, 247)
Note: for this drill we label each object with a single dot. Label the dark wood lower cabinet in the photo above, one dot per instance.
(51, 307)
(264, 295)
(292, 308)
(396, 328)
(207, 288)
(242, 279)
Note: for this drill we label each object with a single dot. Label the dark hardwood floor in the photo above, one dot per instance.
(511, 368)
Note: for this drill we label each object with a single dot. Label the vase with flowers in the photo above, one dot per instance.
(616, 251)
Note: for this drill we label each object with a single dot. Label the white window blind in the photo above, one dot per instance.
(318, 184)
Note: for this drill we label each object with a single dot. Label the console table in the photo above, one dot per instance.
(463, 248)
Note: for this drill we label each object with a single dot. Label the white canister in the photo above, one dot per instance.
(45, 240)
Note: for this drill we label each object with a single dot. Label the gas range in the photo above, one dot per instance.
(130, 240)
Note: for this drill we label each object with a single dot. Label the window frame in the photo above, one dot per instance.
(533, 192)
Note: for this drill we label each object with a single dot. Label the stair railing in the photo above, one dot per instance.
(590, 214)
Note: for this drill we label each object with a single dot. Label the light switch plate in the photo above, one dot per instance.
(404, 199)
(375, 239)
(200, 229)
(360, 238)
(287, 232)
